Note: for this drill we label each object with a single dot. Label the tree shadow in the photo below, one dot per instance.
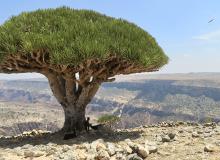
(57, 138)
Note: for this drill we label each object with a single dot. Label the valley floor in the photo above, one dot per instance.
(164, 141)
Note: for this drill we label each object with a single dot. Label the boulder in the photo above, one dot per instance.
(142, 151)
(165, 138)
(102, 155)
(151, 146)
(127, 149)
(134, 157)
(120, 156)
(38, 154)
(209, 148)
(195, 135)
(99, 144)
(69, 155)
(171, 135)
(199, 132)
(66, 148)
(110, 148)
(137, 148)
(80, 154)
(28, 153)
(152, 149)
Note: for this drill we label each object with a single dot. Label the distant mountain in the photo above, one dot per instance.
(138, 99)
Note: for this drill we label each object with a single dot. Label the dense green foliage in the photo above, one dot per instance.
(107, 118)
(72, 36)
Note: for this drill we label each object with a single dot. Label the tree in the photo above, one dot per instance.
(76, 50)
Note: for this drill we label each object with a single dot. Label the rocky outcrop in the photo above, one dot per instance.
(146, 142)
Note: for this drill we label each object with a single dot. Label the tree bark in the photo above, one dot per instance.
(74, 118)
(73, 100)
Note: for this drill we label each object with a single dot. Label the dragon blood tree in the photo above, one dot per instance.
(77, 50)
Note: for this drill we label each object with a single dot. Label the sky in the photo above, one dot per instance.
(180, 27)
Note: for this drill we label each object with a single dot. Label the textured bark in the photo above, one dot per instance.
(73, 101)
(74, 118)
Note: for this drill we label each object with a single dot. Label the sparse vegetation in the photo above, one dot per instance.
(108, 119)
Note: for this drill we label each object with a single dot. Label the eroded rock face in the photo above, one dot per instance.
(131, 144)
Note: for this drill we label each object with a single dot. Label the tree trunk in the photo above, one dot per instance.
(73, 99)
(74, 118)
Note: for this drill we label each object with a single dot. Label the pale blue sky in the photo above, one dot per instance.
(180, 27)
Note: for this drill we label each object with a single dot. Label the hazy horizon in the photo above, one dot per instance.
(24, 76)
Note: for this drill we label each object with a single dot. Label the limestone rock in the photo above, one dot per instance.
(98, 145)
(133, 157)
(209, 148)
(120, 156)
(207, 135)
(66, 148)
(119, 149)
(127, 149)
(142, 151)
(137, 148)
(165, 138)
(195, 135)
(69, 155)
(102, 155)
(38, 154)
(217, 143)
(199, 132)
(33, 153)
(152, 143)
(152, 149)
(111, 148)
(27, 146)
(211, 124)
(85, 146)
(171, 135)
(164, 153)
(80, 154)
(151, 146)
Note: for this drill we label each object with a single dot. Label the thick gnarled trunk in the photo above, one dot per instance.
(74, 118)
(73, 98)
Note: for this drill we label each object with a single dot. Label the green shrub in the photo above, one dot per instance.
(108, 119)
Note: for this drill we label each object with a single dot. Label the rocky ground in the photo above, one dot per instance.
(165, 141)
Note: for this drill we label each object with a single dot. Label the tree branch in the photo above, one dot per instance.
(57, 88)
